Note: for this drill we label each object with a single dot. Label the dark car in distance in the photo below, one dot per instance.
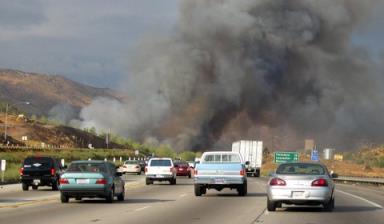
(40, 171)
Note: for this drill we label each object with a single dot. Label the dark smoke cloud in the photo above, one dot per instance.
(237, 69)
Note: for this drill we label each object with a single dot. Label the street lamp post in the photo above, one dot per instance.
(6, 117)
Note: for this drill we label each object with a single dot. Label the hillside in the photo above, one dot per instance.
(41, 135)
(47, 91)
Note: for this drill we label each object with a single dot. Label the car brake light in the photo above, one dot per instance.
(101, 181)
(146, 169)
(277, 182)
(137, 167)
(21, 171)
(63, 181)
(53, 171)
(125, 166)
(171, 169)
(195, 172)
(320, 183)
(242, 172)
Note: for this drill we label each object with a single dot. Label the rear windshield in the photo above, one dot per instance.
(221, 158)
(301, 169)
(38, 162)
(181, 164)
(131, 162)
(158, 162)
(87, 167)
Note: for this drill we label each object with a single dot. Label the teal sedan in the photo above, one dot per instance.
(91, 179)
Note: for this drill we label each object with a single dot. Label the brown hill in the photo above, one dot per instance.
(41, 135)
(47, 91)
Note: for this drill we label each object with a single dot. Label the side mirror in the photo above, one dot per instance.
(247, 163)
(334, 175)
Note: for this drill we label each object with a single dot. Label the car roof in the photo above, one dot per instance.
(89, 161)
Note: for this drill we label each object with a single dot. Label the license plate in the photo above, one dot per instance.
(159, 175)
(219, 181)
(36, 181)
(181, 169)
(297, 194)
(82, 181)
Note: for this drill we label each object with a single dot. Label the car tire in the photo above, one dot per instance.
(121, 196)
(148, 181)
(139, 173)
(271, 206)
(242, 189)
(173, 181)
(198, 190)
(55, 185)
(35, 187)
(64, 198)
(330, 205)
(189, 175)
(203, 190)
(110, 196)
(25, 186)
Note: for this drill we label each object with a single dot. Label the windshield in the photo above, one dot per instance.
(301, 169)
(158, 162)
(131, 162)
(38, 162)
(221, 158)
(87, 167)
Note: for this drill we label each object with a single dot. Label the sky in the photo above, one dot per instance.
(92, 41)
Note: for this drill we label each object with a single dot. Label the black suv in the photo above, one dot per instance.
(40, 171)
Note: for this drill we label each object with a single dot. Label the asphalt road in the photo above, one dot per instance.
(163, 203)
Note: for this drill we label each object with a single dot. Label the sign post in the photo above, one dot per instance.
(284, 157)
(3, 166)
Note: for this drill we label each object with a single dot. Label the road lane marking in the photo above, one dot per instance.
(363, 199)
(142, 208)
(182, 195)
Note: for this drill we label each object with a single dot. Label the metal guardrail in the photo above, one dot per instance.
(365, 180)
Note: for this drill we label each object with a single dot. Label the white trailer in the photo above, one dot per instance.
(252, 153)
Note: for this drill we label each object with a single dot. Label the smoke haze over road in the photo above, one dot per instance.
(239, 69)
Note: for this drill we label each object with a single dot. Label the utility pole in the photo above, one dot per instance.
(6, 123)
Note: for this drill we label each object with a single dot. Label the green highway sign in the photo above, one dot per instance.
(284, 157)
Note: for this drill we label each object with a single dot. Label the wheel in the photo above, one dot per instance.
(242, 189)
(55, 185)
(25, 186)
(203, 190)
(172, 181)
(189, 175)
(64, 198)
(148, 181)
(110, 196)
(35, 187)
(330, 205)
(121, 196)
(271, 206)
(198, 190)
(139, 173)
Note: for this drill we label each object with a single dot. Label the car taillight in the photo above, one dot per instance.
(125, 166)
(171, 169)
(53, 171)
(63, 181)
(146, 169)
(277, 182)
(195, 172)
(137, 167)
(101, 181)
(320, 183)
(21, 171)
(242, 172)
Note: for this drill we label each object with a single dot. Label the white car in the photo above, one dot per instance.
(130, 166)
(160, 169)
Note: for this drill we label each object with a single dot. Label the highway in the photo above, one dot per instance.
(163, 203)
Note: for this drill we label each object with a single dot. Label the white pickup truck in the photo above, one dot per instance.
(160, 169)
(219, 170)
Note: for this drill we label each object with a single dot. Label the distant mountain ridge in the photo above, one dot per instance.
(47, 91)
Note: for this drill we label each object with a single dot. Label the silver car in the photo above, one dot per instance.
(301, 183)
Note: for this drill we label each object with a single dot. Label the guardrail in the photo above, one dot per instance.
(365, 180)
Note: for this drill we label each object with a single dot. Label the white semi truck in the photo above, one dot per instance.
(252, 153)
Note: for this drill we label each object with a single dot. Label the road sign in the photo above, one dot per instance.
(284, 157)
(3, 164)
(315, 155)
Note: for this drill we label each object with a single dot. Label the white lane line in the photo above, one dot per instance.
(363, 199)
(139, 209)
(182, 195)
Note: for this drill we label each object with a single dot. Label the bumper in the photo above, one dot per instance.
(219, 180)
(183, 173)
(159, 177)
(91, 191)
(300, 196)
(38, 180)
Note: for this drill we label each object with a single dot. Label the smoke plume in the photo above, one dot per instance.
(260, 69)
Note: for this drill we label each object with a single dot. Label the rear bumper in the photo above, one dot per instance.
(38, 180)
(183, 173)
(161, 177)
(300, 196)
(219, 180)
(73, 191)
